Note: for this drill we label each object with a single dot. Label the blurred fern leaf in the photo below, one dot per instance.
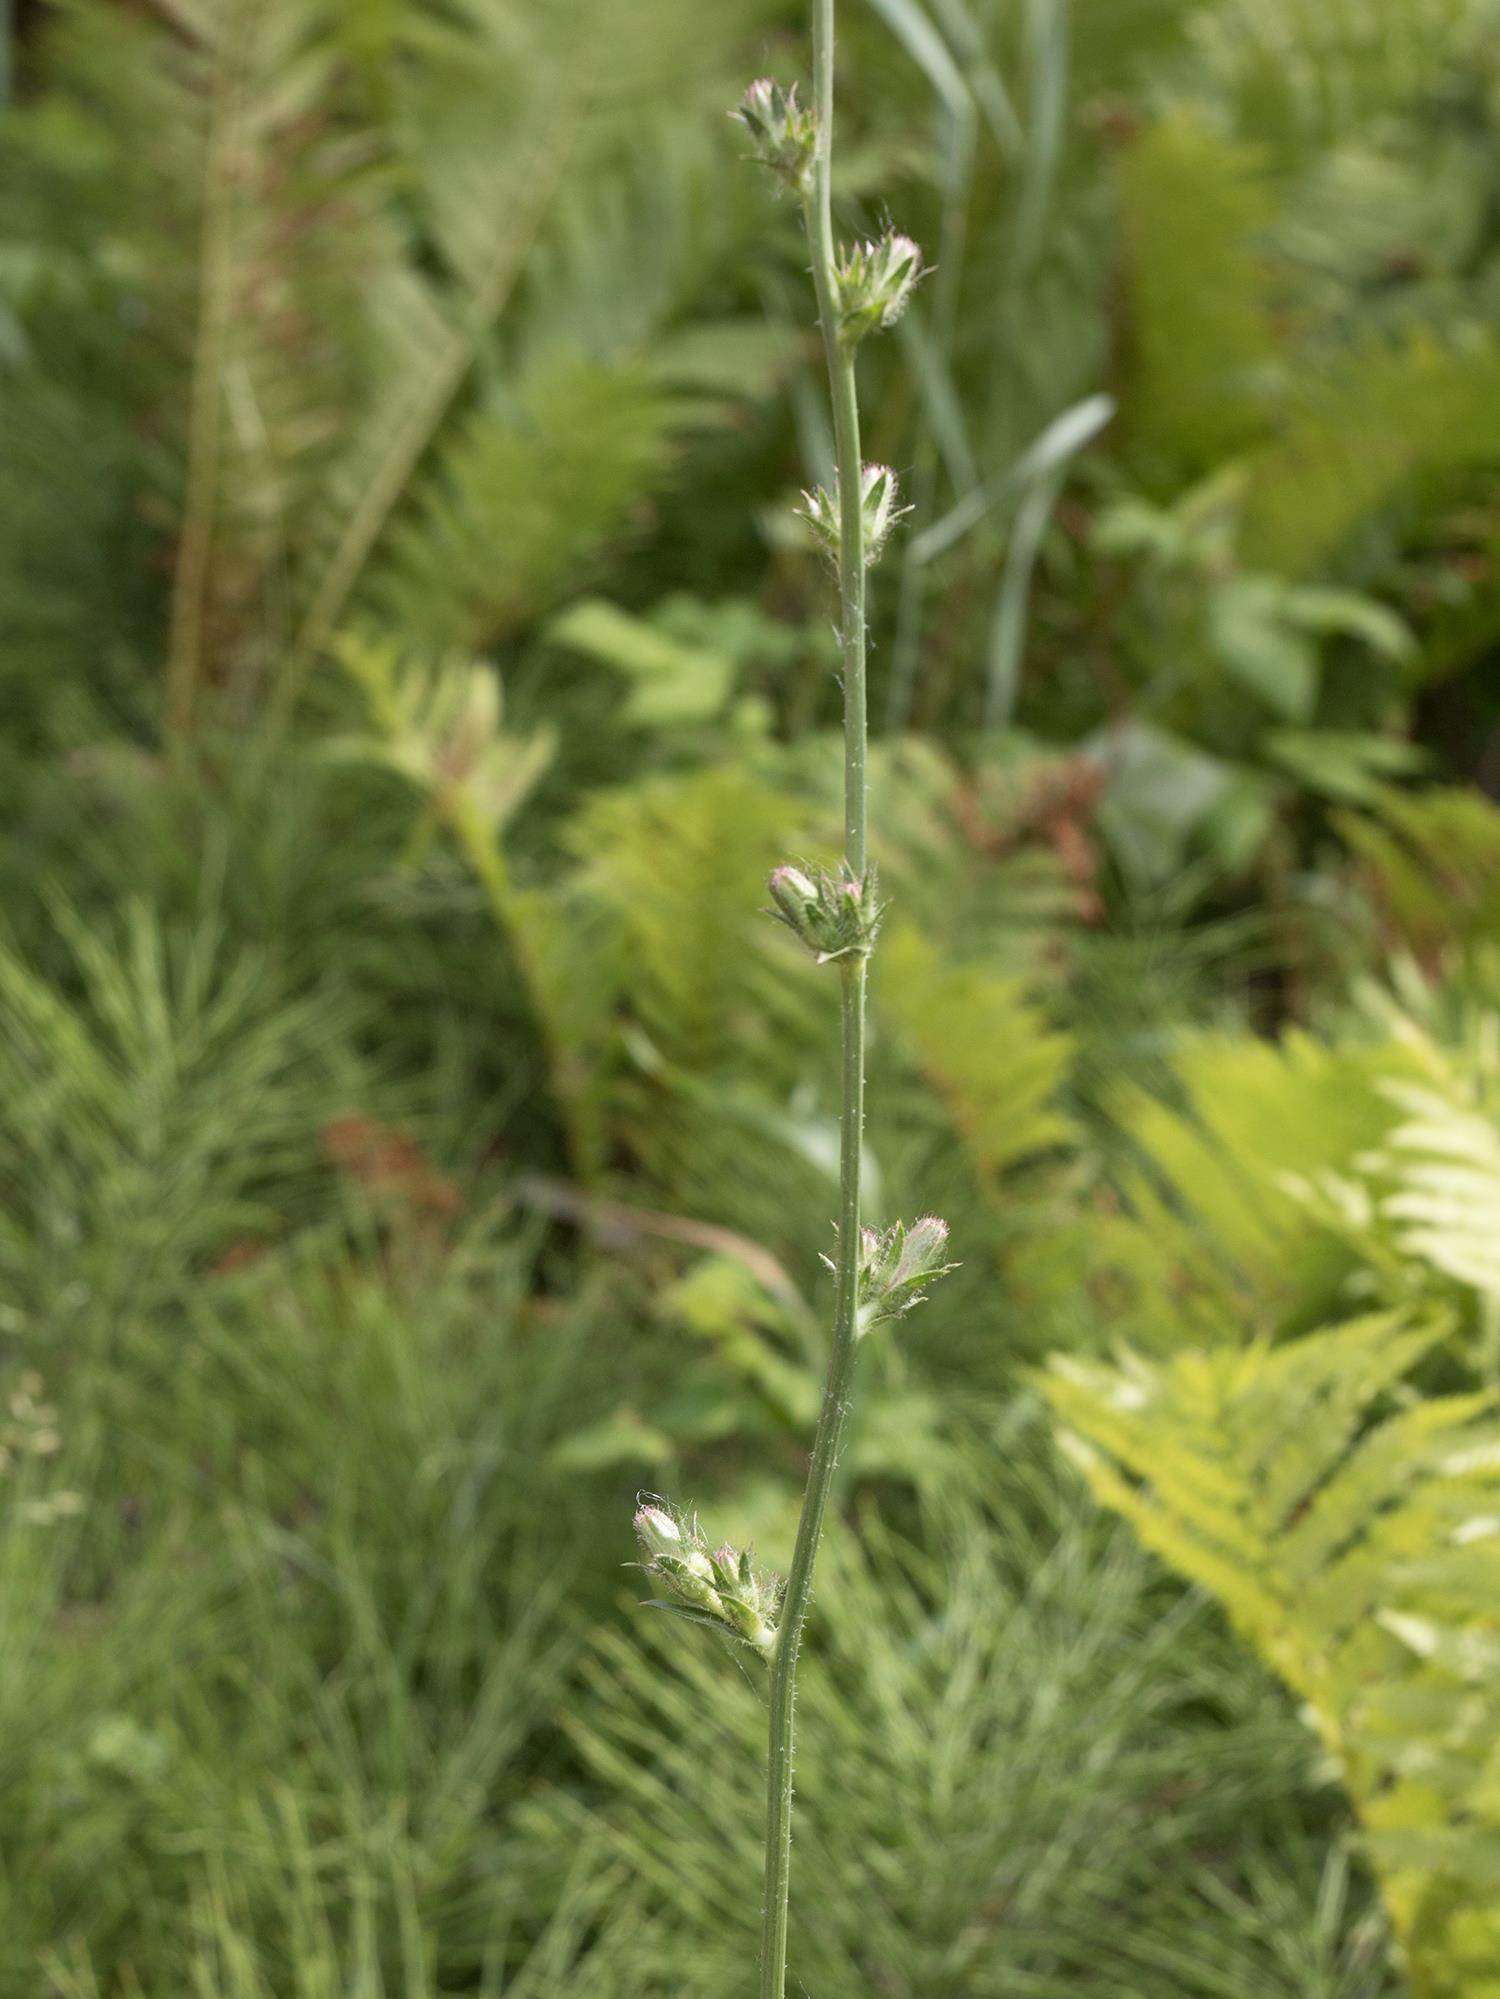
(1200, 329)
(1350, 1533)
(985, 1047)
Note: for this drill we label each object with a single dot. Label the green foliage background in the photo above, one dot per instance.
(414, 1140)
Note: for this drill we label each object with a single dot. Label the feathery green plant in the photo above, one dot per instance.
(1349, 1528)
(963, 1840)
(167, 1108)
(1432, 861)
(265, 1699)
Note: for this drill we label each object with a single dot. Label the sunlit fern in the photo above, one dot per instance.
(1350, 1531)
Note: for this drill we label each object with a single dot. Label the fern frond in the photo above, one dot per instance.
(1435, 1181)
(998, 854)
(1280, 1181)
(1202, 355)
(1353, 1542)
(606, 374)
(985, 1047)
(1432, 859)
(1379, 426)
(511, 103)
(431, 345)
(520, 499)
(439, 724)
(680, 863)
(635, 247)
(286, 225)
(709, 1026)
(172, 1105)
(1308, 73)
(1253, 1117)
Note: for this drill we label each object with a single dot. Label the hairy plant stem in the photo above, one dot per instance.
(818, 215)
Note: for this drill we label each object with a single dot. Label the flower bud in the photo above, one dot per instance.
(879, 512)
(783, 132)
(835, 916)
(657, 1532)
(880, 507)
(895, 1267)
(722, 1588)
(874, 283)
(689, 1579)
(796, 898)
(926, 1241)
(746, 1601)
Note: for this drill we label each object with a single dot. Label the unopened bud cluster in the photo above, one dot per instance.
(718, 1587)
(879, 511)
(874, 283)
(784, 133)
(834, 915)
(895, 1267)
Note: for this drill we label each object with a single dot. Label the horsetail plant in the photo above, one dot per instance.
(878, 1274)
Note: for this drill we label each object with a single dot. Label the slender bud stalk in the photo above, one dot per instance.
(878, 1274)
(852, 557)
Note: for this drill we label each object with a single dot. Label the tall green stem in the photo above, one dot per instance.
(818, 210)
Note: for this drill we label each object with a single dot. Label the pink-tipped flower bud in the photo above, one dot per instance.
(896, 1266)
(722, 1588)
(879, 506)
(874, 283)
(792, 887)
(783, 132)
(834, 916)
(657, 1532)
(926, 1241)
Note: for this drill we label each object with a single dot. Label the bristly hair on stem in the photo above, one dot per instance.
(879, 1274)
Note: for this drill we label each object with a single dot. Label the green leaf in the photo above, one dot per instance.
(1250, 631)
(671, 684)
(1161, 790)
(1344, 765)
(620, 1439)
(1348, 614)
